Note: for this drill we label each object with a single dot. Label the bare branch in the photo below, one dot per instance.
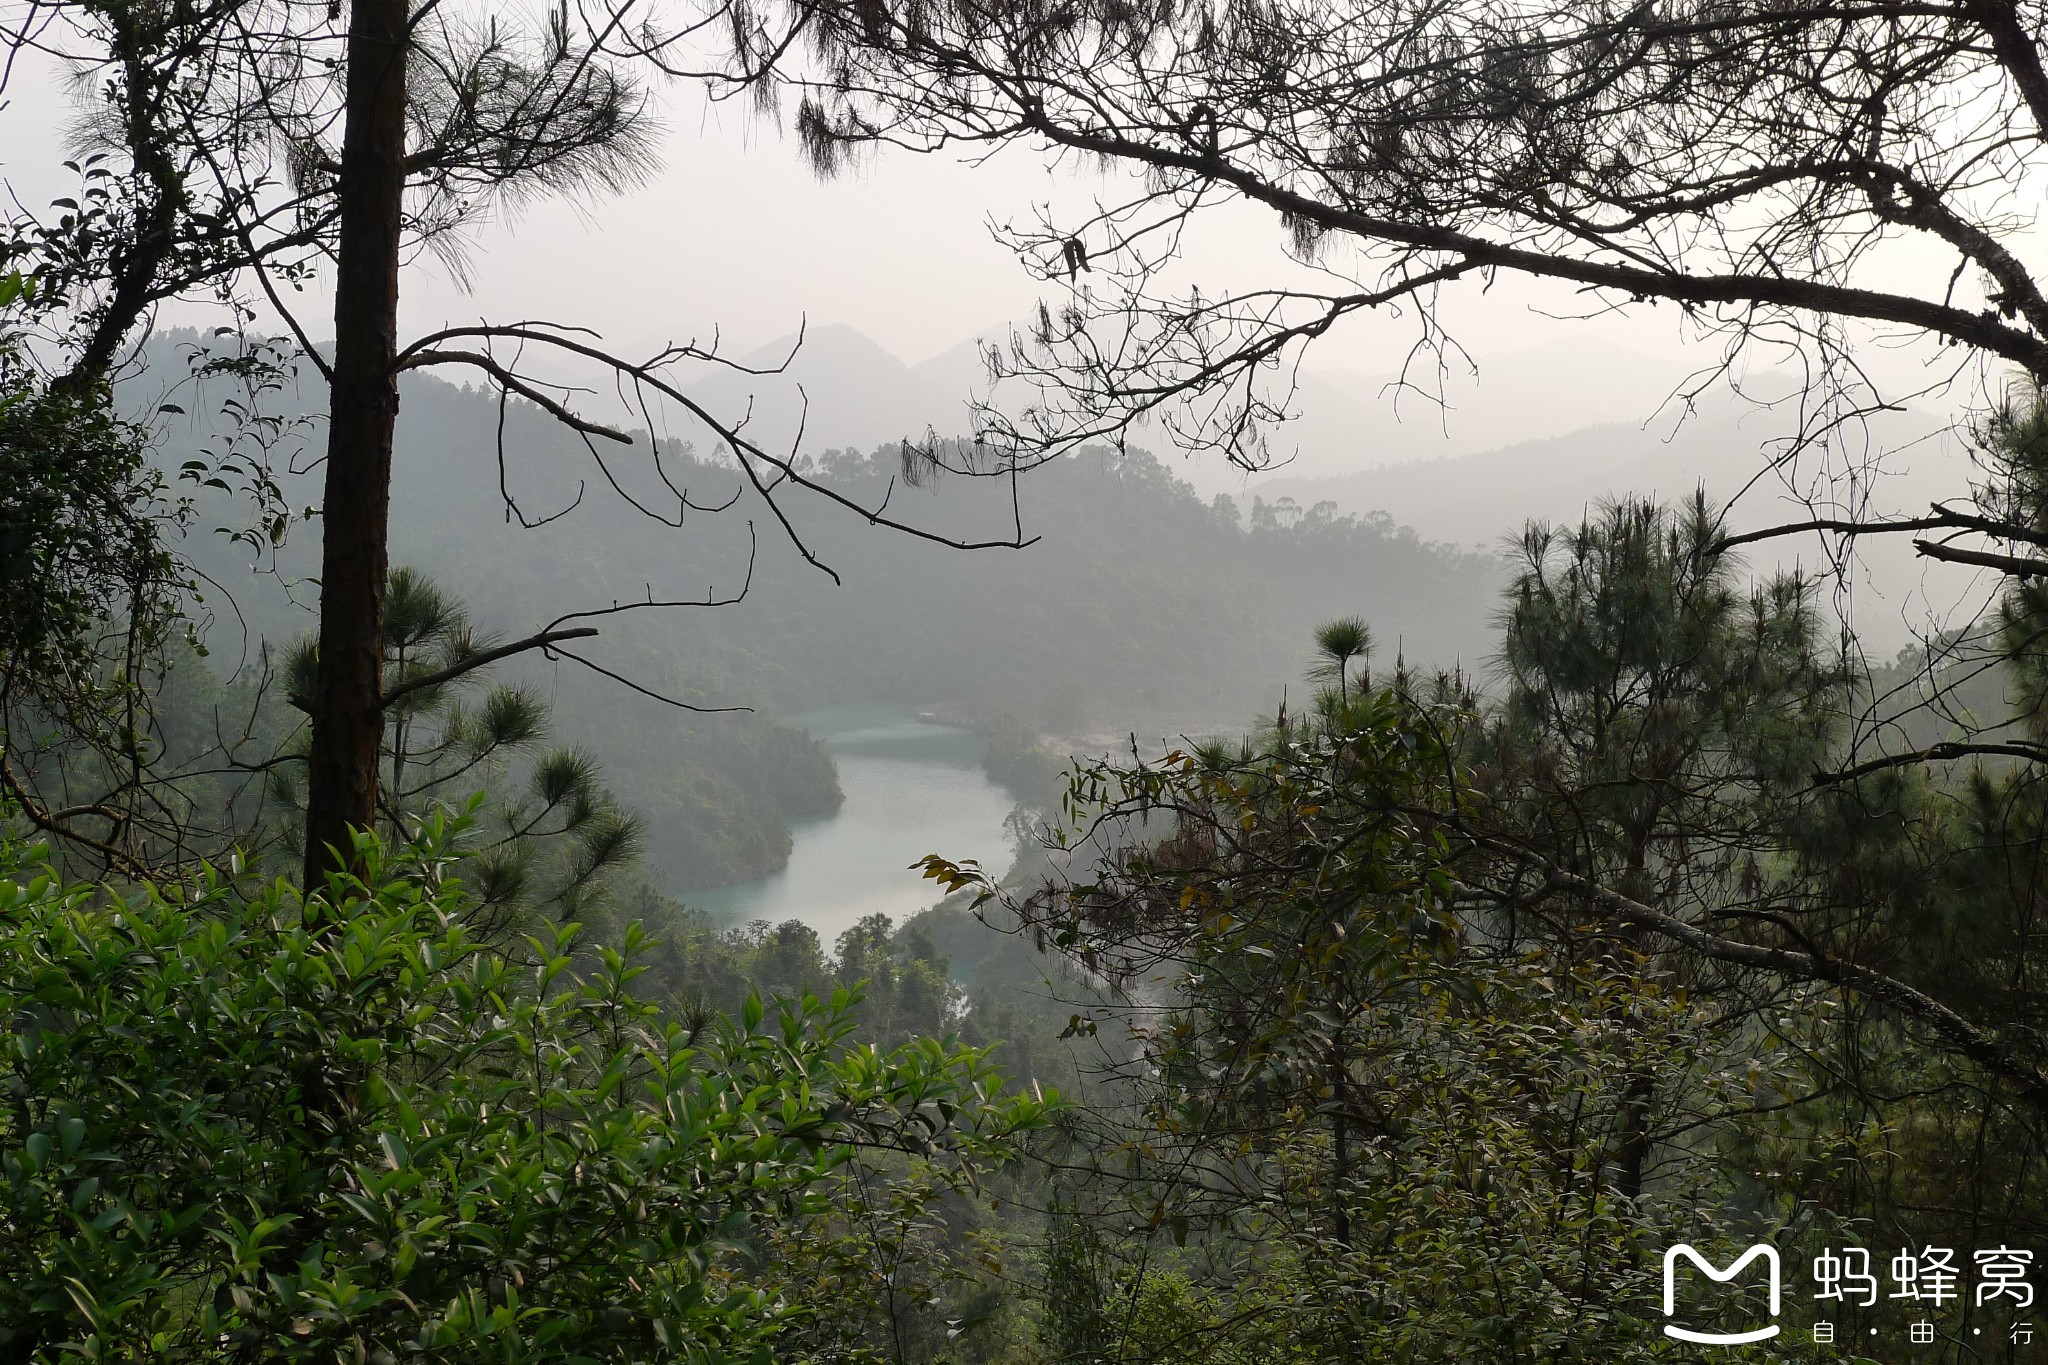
(543, 640)
(1944, 518)
(43, 819)
(560, 411)
(2015, 565)
(709, 599)
(648, 375)
(1936, 753)
(1843, 526)
(1978, 1044)
(648, 692)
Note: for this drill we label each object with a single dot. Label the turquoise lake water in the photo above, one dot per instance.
(912, 788)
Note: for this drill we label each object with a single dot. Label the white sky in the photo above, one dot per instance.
(737, 232)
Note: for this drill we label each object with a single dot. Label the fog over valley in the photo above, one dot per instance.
(1162, 596)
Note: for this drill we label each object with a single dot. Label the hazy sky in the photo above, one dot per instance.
(736, 232)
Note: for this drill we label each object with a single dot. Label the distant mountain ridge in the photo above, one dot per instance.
(841, 390)
(1482, 500)
(1544, 432)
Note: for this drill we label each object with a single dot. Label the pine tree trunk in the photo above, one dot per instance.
(348, 717)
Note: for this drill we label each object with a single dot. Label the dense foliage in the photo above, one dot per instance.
(1361, 1125)
(1432, 1017)
(90, 597)
(554, 830)
(241, 1125)
(80, 539)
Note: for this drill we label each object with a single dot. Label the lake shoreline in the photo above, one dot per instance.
(912, 787)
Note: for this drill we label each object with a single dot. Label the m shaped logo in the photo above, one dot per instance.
(1767, 1254)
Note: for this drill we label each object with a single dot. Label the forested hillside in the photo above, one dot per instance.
(1138, 606)
(1138, 601)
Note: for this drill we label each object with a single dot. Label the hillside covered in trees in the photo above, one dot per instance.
(1138, 606)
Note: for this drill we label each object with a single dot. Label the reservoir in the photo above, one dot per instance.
(912, 788)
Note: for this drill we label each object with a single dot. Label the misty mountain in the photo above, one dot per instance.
(1482, 499)
(1137, 604)
(1344, 422)
(831, 387)
(1140, 605)
(837, 389)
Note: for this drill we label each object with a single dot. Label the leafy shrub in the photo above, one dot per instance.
(239, 1124)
